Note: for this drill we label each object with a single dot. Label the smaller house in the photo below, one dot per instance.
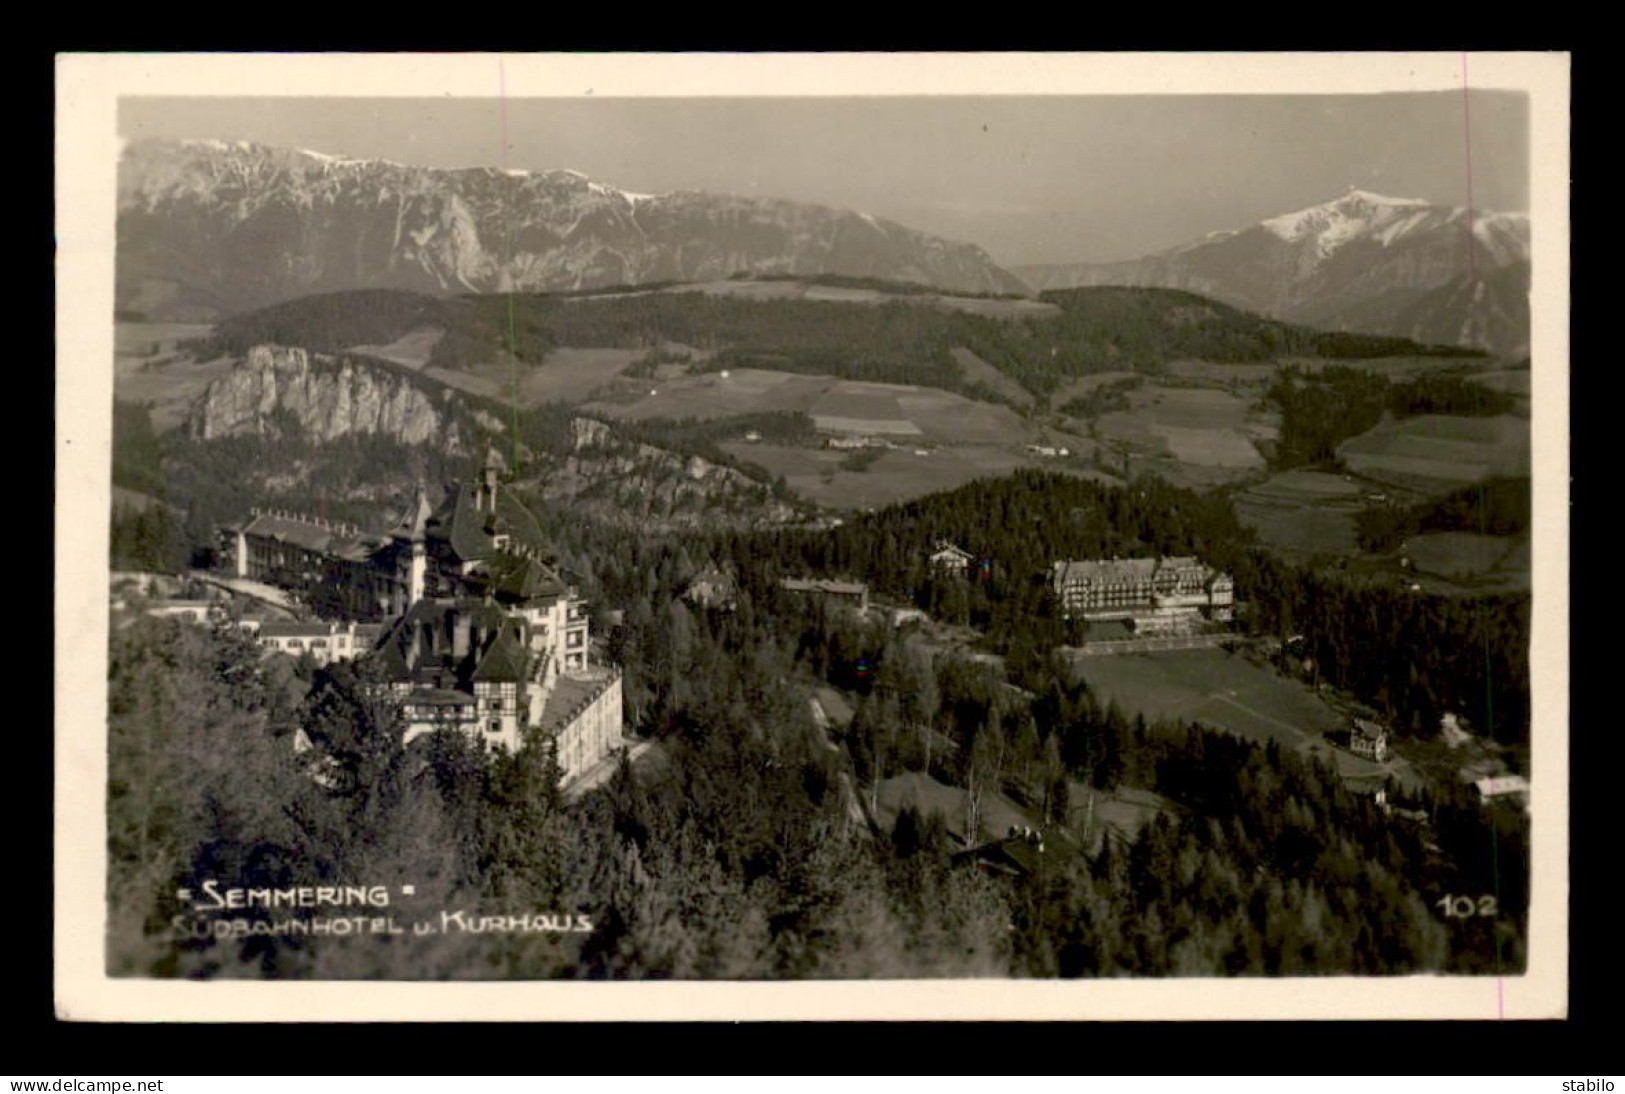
(852, 594)
(950, 559)
(325, 642)
(1368, 739)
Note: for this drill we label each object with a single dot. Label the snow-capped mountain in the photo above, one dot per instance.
(207, 227)
(1362, 262)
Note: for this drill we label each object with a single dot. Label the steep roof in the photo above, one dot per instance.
(398, 642)
(468, 529)
(413, 519)
(519, 578)
(504, 660)
(312, 534)
(1368, 729)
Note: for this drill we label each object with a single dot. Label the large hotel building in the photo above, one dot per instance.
(482, 634)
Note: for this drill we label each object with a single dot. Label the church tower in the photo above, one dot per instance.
(412, 562)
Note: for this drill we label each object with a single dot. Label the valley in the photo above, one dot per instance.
(1201, 423)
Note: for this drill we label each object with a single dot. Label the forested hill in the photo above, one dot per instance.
(1410, 657)
(901, 338)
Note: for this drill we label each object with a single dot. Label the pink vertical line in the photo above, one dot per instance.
(1467, 133)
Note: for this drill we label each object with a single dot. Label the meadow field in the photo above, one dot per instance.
(567, 375)
(826, 477)
(1226, 691)
(1197, 437)
(148, 367)
(1303, 512)
(1471, 562)
(1439, 451)
(837, 406)
(141, 341)
(978, 371)
(410, 350)
(744, 289)
(997, 813)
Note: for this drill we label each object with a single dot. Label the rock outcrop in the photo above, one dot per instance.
(278, 391)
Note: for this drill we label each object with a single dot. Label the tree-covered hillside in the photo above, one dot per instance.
(900, 340)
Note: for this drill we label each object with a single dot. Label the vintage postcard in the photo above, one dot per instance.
(901, 536)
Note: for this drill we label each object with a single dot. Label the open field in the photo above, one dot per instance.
(978, 371)
(1210, 447)
(897, 475)
(411, 349)
(998, 813)
(837, 406)
(566, 376)
(1443, 451)
(1191, 436)
(1257, 374)
(713, 395)
(1083, 385)
(168, 388)
(1225, 691)
(1477, 561)
(850, 294)
(1302, 511)
(1123, 812)
(1214, 687)
(147, 340)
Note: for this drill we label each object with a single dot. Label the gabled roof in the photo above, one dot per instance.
(1369, 729)
(519, 578)
(396, 644)
(414, 518)
(504, 660)
(460, 522)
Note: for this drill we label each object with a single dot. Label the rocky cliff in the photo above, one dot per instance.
(278, 391)
(639, 485)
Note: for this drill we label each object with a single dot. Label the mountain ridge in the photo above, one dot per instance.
(208, 227)
(1362, 262)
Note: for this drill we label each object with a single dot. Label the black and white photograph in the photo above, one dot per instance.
(1063, 521)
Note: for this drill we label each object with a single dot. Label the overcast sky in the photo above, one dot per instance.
(1052, 179)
